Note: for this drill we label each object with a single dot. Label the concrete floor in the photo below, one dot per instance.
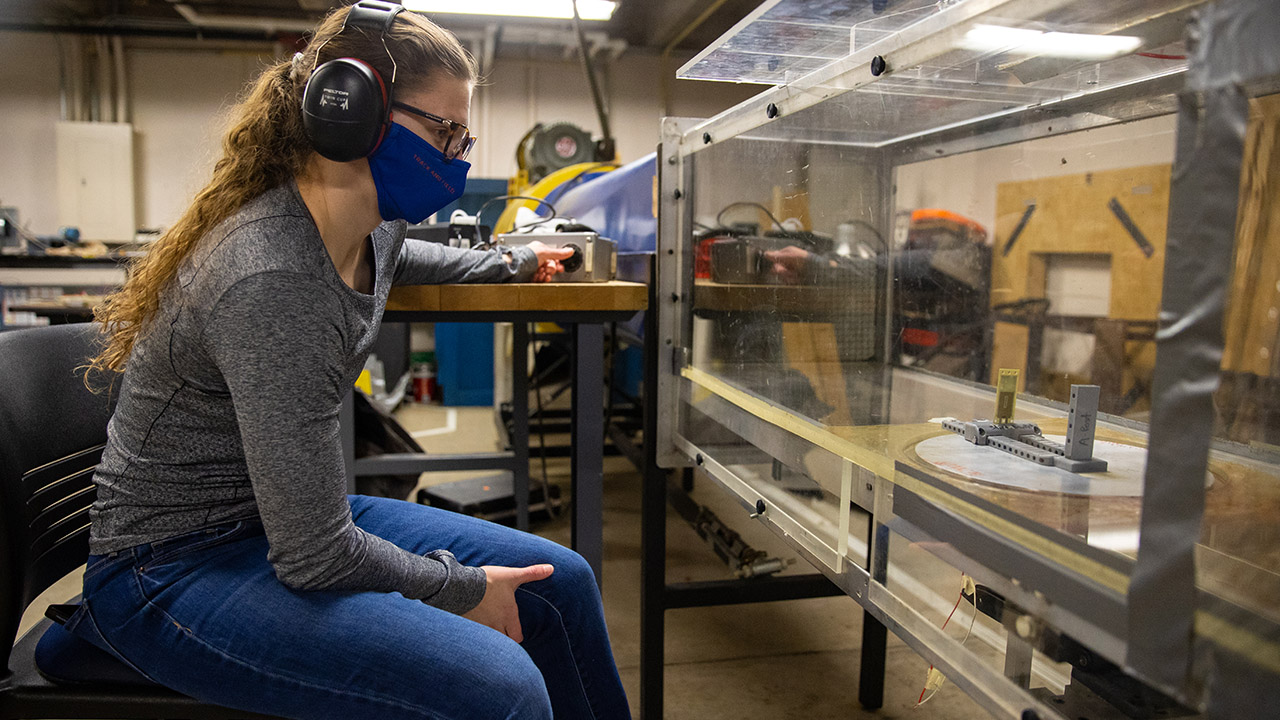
(797, 659)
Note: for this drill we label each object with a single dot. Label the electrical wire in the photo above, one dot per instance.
(493, 200)
(564, 187)
(967, 633)
(741, 203)
(922, 699)
(535, 223)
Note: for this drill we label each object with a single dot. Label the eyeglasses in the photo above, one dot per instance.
(459, 140)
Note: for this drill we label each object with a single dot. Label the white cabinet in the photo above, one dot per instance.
(95, 179)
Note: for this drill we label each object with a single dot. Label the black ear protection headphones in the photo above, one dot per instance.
(346, 106)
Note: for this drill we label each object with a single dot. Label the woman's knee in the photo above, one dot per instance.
(571, 569)
(561, 601)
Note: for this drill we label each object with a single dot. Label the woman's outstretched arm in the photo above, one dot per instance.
(279, 340)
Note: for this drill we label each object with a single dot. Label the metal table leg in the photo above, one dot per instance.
(520, 421)
(587, 444)
(874, 633)
(653, 536)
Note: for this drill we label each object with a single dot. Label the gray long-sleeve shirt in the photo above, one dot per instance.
(228, 407)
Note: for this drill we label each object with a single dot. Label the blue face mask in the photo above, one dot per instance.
(412, 177)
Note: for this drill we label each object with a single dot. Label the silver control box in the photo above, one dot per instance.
(595, 258)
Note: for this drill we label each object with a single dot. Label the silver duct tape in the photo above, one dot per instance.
(1234, 43)
(1203, 199)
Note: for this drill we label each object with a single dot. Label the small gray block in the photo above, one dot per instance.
(977, 432)
(1043, 443)
(1080, 466)
(1082, 421)
(1023, 450)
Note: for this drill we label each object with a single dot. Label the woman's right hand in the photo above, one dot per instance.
(549, 259)
(497, 609)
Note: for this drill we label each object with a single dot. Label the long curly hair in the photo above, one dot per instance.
(263, 148)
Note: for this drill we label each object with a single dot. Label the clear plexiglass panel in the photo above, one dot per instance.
(1018, 56)
(874, 300)
(784, 40)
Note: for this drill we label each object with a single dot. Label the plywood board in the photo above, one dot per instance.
(1009, 350)
(1072, 217)
(1253, 307)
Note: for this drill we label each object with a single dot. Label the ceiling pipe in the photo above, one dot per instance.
(64, 82)
(260, 29)
(185, 31)
(103, 107)
(269, 26)
(516, 35)
(489, 48)
(75, 81)
(665, 72)
(122, 80)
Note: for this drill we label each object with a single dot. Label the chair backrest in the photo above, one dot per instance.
(52, 432)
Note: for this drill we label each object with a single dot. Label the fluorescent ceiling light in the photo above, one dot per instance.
(1019, 41)
(556, 9)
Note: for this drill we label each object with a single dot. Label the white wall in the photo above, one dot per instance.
(29, 107)
(180, 98)
(180, 102)
(967, 183)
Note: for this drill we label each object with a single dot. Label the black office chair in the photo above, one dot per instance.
(52, 432)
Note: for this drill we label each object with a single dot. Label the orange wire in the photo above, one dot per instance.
(944, 627)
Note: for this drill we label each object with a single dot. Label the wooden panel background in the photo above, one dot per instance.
(1253, 307)
(1072, 217)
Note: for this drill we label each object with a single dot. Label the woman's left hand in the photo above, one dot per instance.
(548, 260)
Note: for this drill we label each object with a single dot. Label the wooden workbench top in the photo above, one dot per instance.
(520, 297)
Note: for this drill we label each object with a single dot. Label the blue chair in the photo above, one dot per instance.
(52, 432)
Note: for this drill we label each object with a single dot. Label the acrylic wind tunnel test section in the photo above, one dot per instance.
(854, 255)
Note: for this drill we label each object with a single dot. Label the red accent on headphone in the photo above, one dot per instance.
(386, 103)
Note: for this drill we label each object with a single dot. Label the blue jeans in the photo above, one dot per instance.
(204, 614)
